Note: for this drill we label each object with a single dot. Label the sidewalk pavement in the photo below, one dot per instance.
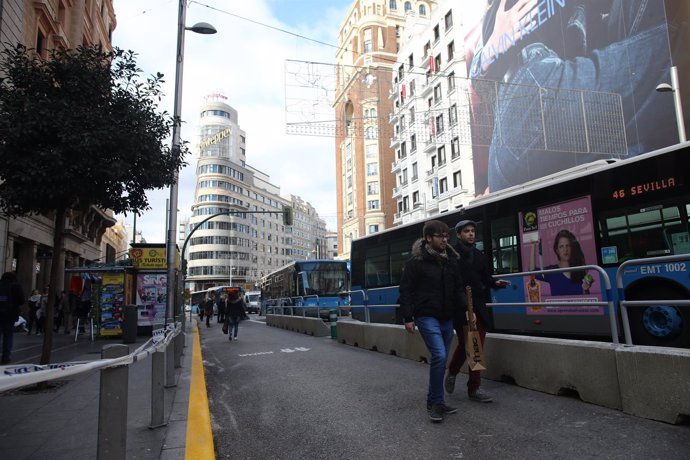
(61, 422)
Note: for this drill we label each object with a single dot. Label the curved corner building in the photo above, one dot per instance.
(220, 250)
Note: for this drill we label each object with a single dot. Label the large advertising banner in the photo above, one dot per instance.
(152, 291)
(558, 83)
(559, 236)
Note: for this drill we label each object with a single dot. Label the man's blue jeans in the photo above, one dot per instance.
(437, 335)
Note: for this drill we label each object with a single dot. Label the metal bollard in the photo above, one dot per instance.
(178, 345)
(112, 406)
(157, 389)
(170, 364)
(333, 318)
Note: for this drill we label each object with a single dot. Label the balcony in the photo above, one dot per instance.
(395, 141)
(396, 165)
(393, 117)
(431, 145)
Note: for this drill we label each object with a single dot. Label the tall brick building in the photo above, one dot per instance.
(369, 40)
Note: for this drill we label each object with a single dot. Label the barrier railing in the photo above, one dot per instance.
(114, 367)
(608, 303)
(624, 304)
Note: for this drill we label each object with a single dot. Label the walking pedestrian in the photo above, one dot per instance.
(11, 299)
(431, 293)
(475, 272)
(222, 308)
(208, 308)
(34, 301)
(235, 311)
(42, 312)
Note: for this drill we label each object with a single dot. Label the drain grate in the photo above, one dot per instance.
(47, 387)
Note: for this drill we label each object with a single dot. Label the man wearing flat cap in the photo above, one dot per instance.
(476, 273)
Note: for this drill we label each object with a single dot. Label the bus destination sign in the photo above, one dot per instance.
(644, 188)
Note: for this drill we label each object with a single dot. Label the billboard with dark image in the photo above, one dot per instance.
(558, 83)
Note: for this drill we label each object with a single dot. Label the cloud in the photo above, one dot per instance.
(246, 62)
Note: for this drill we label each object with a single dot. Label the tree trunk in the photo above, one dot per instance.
(58, 239)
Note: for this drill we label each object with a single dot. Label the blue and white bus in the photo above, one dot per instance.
(611, 210)
(306, 287)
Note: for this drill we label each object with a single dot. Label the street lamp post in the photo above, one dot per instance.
(674, 88)
(200, 28)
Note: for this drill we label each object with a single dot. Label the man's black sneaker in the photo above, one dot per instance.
(480, 396)
(436, 413)
(450, 383)
(446, 409)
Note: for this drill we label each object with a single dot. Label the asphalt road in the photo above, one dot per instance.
(276, 394)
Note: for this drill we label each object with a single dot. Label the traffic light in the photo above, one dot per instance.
(287, 215)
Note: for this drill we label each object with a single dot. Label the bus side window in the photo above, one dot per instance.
(653, 231)
(505, 245)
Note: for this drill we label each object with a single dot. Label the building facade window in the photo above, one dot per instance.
(457, 179)
(373, 228)
(439, 124)
(451, 51)
(437, 94)
(448, 20)
(373, 204)
(441, 152)
(413, 143)
(453, 115)
(367, 41)
(392, 4)
(454, 148)
(372, 188)
(372, 169)
(443, 185)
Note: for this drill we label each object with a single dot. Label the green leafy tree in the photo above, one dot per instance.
(79, 129)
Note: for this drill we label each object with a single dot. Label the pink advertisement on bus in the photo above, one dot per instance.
(559, 236)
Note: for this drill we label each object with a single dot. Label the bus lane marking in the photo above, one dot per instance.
(282, 350)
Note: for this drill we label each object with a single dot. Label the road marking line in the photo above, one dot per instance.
(199, 439)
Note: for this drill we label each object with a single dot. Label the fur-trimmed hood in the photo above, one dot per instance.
(419, 250)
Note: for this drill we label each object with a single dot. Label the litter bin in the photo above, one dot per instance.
(129, 324)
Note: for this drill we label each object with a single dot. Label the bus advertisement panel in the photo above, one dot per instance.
(558, 83)
(557, 236)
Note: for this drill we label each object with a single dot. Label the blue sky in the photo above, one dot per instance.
(245, 61)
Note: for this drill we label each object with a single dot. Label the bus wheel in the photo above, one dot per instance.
(660, 325)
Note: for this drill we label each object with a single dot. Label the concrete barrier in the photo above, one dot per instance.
(655, 382)
(310, 326)
(648, 382)
(556, 366)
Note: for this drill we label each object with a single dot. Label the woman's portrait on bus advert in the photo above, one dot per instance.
(569, 254)
(561, 236)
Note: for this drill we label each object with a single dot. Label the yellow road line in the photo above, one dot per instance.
(199, 441)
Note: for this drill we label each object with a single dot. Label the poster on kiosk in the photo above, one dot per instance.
(150, 262)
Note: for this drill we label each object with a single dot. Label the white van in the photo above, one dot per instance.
(253, 301)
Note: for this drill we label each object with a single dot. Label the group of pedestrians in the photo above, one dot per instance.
(433, 300)
(38, 310)
(229, 309)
